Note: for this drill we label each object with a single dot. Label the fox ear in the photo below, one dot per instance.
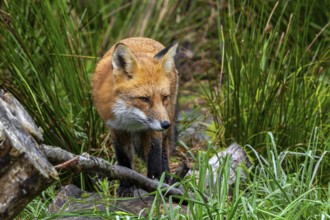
(123, 59)
(167, 57)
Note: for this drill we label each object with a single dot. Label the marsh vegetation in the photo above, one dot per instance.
(259, 70)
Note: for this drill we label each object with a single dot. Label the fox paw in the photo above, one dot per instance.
(125, 191)
(168, 179)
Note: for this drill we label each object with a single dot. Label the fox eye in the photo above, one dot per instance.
(165, 98)
(145, 99)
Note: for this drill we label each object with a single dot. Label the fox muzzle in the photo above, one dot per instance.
(165, 124)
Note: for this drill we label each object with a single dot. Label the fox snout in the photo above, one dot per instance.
(165, 124)
(160, 118)
(158, 125)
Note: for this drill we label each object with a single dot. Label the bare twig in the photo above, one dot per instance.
(317, 36)
(67, 163)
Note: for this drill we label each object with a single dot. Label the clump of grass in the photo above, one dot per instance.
(38, 208)
(274, 73)
(277, 193)
(45, 68)
(271, 191)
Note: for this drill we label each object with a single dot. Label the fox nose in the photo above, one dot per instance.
(165, 124)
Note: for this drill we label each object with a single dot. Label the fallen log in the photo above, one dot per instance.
(24, 171)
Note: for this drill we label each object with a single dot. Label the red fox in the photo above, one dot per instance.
(135, 88)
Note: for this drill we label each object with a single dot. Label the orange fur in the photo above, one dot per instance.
(131, 85)
(103, 85)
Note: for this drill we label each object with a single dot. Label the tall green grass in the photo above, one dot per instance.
(274, 74)
(49, 50)
(46, 68)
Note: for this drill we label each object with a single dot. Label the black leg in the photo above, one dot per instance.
(157, 160)
(165, 167)
(154, 159)
(124, 158)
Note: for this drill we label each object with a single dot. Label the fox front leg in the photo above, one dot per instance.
(124, 156)
(157, 161)
(165, 167)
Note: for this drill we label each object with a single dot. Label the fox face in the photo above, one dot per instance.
(141, 85)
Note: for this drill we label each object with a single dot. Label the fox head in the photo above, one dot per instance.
(142, 88)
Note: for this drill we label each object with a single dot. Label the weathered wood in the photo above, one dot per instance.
(22, 116)
(24, 171)
(71, 199)
(88, 163)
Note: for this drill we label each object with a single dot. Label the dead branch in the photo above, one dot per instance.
(91, 164)
(65, 164)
